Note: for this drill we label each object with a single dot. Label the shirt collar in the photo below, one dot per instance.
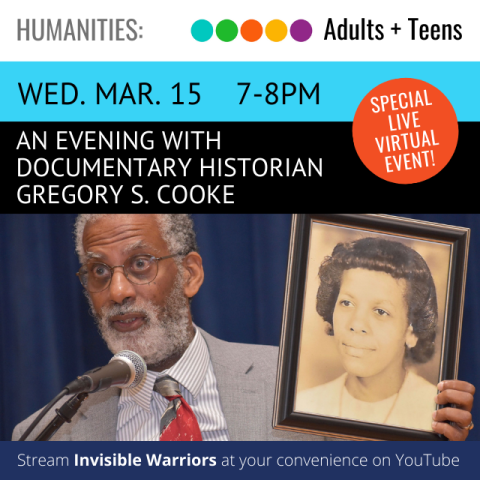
(189, 371)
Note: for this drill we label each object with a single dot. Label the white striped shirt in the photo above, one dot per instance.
(140, 409)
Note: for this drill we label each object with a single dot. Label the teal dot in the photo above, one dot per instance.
(202, 30)
(227, 30)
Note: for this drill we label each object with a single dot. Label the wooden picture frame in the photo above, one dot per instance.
(311, 396)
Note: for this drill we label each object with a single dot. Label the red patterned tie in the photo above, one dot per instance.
(178, 422)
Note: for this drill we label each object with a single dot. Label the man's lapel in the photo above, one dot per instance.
(242, 402)
(98, 417)
(242, 397)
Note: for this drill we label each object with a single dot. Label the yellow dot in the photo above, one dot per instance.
(276, 30)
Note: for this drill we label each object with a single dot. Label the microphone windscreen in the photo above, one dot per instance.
(137, 366)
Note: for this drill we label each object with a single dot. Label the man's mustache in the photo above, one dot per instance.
(110, 312)
(107, 312)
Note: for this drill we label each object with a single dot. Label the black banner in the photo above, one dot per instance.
(264, 167)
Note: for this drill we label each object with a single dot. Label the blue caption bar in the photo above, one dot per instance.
(278, 91)
(372, 460)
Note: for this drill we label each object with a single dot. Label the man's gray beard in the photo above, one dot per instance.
(165, 332)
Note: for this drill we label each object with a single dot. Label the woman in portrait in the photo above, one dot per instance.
(378, 300)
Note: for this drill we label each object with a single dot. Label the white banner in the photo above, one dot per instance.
(156, 30)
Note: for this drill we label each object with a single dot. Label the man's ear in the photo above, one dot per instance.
(193, 274)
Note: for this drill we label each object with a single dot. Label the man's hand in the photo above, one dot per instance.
(459, 394)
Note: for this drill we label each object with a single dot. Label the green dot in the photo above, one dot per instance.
(202, 30)
(227, 30)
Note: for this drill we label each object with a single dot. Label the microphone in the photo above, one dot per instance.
(126, 369)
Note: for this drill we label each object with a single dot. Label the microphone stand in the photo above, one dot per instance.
(64, 414)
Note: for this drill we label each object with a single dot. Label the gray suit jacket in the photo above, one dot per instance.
(246, 381)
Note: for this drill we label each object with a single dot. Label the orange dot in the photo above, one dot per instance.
(276, 30)
(251, 30)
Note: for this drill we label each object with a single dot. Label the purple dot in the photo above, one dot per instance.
(301, 30)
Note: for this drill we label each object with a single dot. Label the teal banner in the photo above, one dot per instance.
(216, 91)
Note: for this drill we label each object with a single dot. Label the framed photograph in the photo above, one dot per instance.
(372, 322)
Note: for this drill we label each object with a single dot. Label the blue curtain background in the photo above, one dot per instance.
(47, 336)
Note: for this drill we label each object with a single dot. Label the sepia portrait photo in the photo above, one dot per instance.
(371, 339)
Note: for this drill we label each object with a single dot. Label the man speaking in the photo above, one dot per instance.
(140, 273)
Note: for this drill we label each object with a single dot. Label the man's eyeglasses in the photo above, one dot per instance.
(138, 269)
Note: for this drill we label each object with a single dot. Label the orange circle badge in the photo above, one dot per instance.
(405, 131)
